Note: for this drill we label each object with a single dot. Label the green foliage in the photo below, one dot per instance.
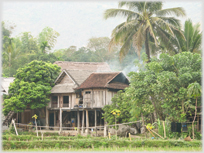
(24, 48)
(146, 24)
(192, 41)
(119, 102)
(94, 143)
(47, 39)
(162, 86)
(31, 86)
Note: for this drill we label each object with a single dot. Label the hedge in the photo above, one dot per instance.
(96, 143)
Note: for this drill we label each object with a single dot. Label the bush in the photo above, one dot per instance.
(96, 143)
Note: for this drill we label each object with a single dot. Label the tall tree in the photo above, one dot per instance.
(193, 37)
(194, 90)
(43, 46)
(48, 35)
(163, 86)
(146, 22)
(32, 86)
(29, 43)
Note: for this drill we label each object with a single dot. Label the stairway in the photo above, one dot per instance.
(8, 118)
(64, 118)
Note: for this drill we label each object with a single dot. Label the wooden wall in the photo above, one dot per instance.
(99, 97)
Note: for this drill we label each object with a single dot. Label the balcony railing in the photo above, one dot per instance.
(54, 105)
(65, 105)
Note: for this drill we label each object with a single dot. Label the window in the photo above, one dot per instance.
(65, 101)
(54, 101)
(88, 92)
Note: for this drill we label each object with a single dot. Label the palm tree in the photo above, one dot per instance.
(194, 90)
(147, 23)
(193, 37)
(43, 46)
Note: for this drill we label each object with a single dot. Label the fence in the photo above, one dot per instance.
(27, 127)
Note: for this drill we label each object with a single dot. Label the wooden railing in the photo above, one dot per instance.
(65, 105)
(54, 105)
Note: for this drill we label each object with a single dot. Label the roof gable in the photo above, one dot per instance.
(62, 75)
(104, 80)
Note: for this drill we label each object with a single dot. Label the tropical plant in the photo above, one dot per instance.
(194, 90)
(192, 41)
(146, 23)
(43, 46)
(48, 37)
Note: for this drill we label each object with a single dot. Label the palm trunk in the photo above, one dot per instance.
(147, 46)
(194, 118)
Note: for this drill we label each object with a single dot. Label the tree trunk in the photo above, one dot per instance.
(183, 106)
(147, 46)
(194, 118)
(155, 109)
(143, 125)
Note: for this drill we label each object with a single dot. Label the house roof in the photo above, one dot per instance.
(105, 80)
(78, 72)
(5, 83)
(63, 88)
(79, 75)
(89, 66)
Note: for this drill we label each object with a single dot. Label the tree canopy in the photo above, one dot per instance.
(146, 23)
(161, 87)
(31, 86)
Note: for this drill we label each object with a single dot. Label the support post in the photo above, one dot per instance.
(22, 114)
(95, 121)
(47, 115)
(82, 122)
(60, 119)
(87, 121)
(58, 101)
(54, 118)
(105, 128)
(164, 129)
(100, 118)
(78, 121)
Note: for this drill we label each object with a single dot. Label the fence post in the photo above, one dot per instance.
(164, 129)
(14, 126)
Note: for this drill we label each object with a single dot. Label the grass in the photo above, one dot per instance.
(189, 149)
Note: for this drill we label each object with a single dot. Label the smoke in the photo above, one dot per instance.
(126, 66)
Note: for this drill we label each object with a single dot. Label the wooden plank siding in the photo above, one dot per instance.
(99, 97)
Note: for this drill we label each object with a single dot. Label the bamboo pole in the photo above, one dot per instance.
(36, 127)
(150, 132)
(157, 134)
(14, 126)
(164, 130)
(130, 136)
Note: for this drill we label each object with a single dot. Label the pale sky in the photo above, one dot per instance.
(76, 22)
